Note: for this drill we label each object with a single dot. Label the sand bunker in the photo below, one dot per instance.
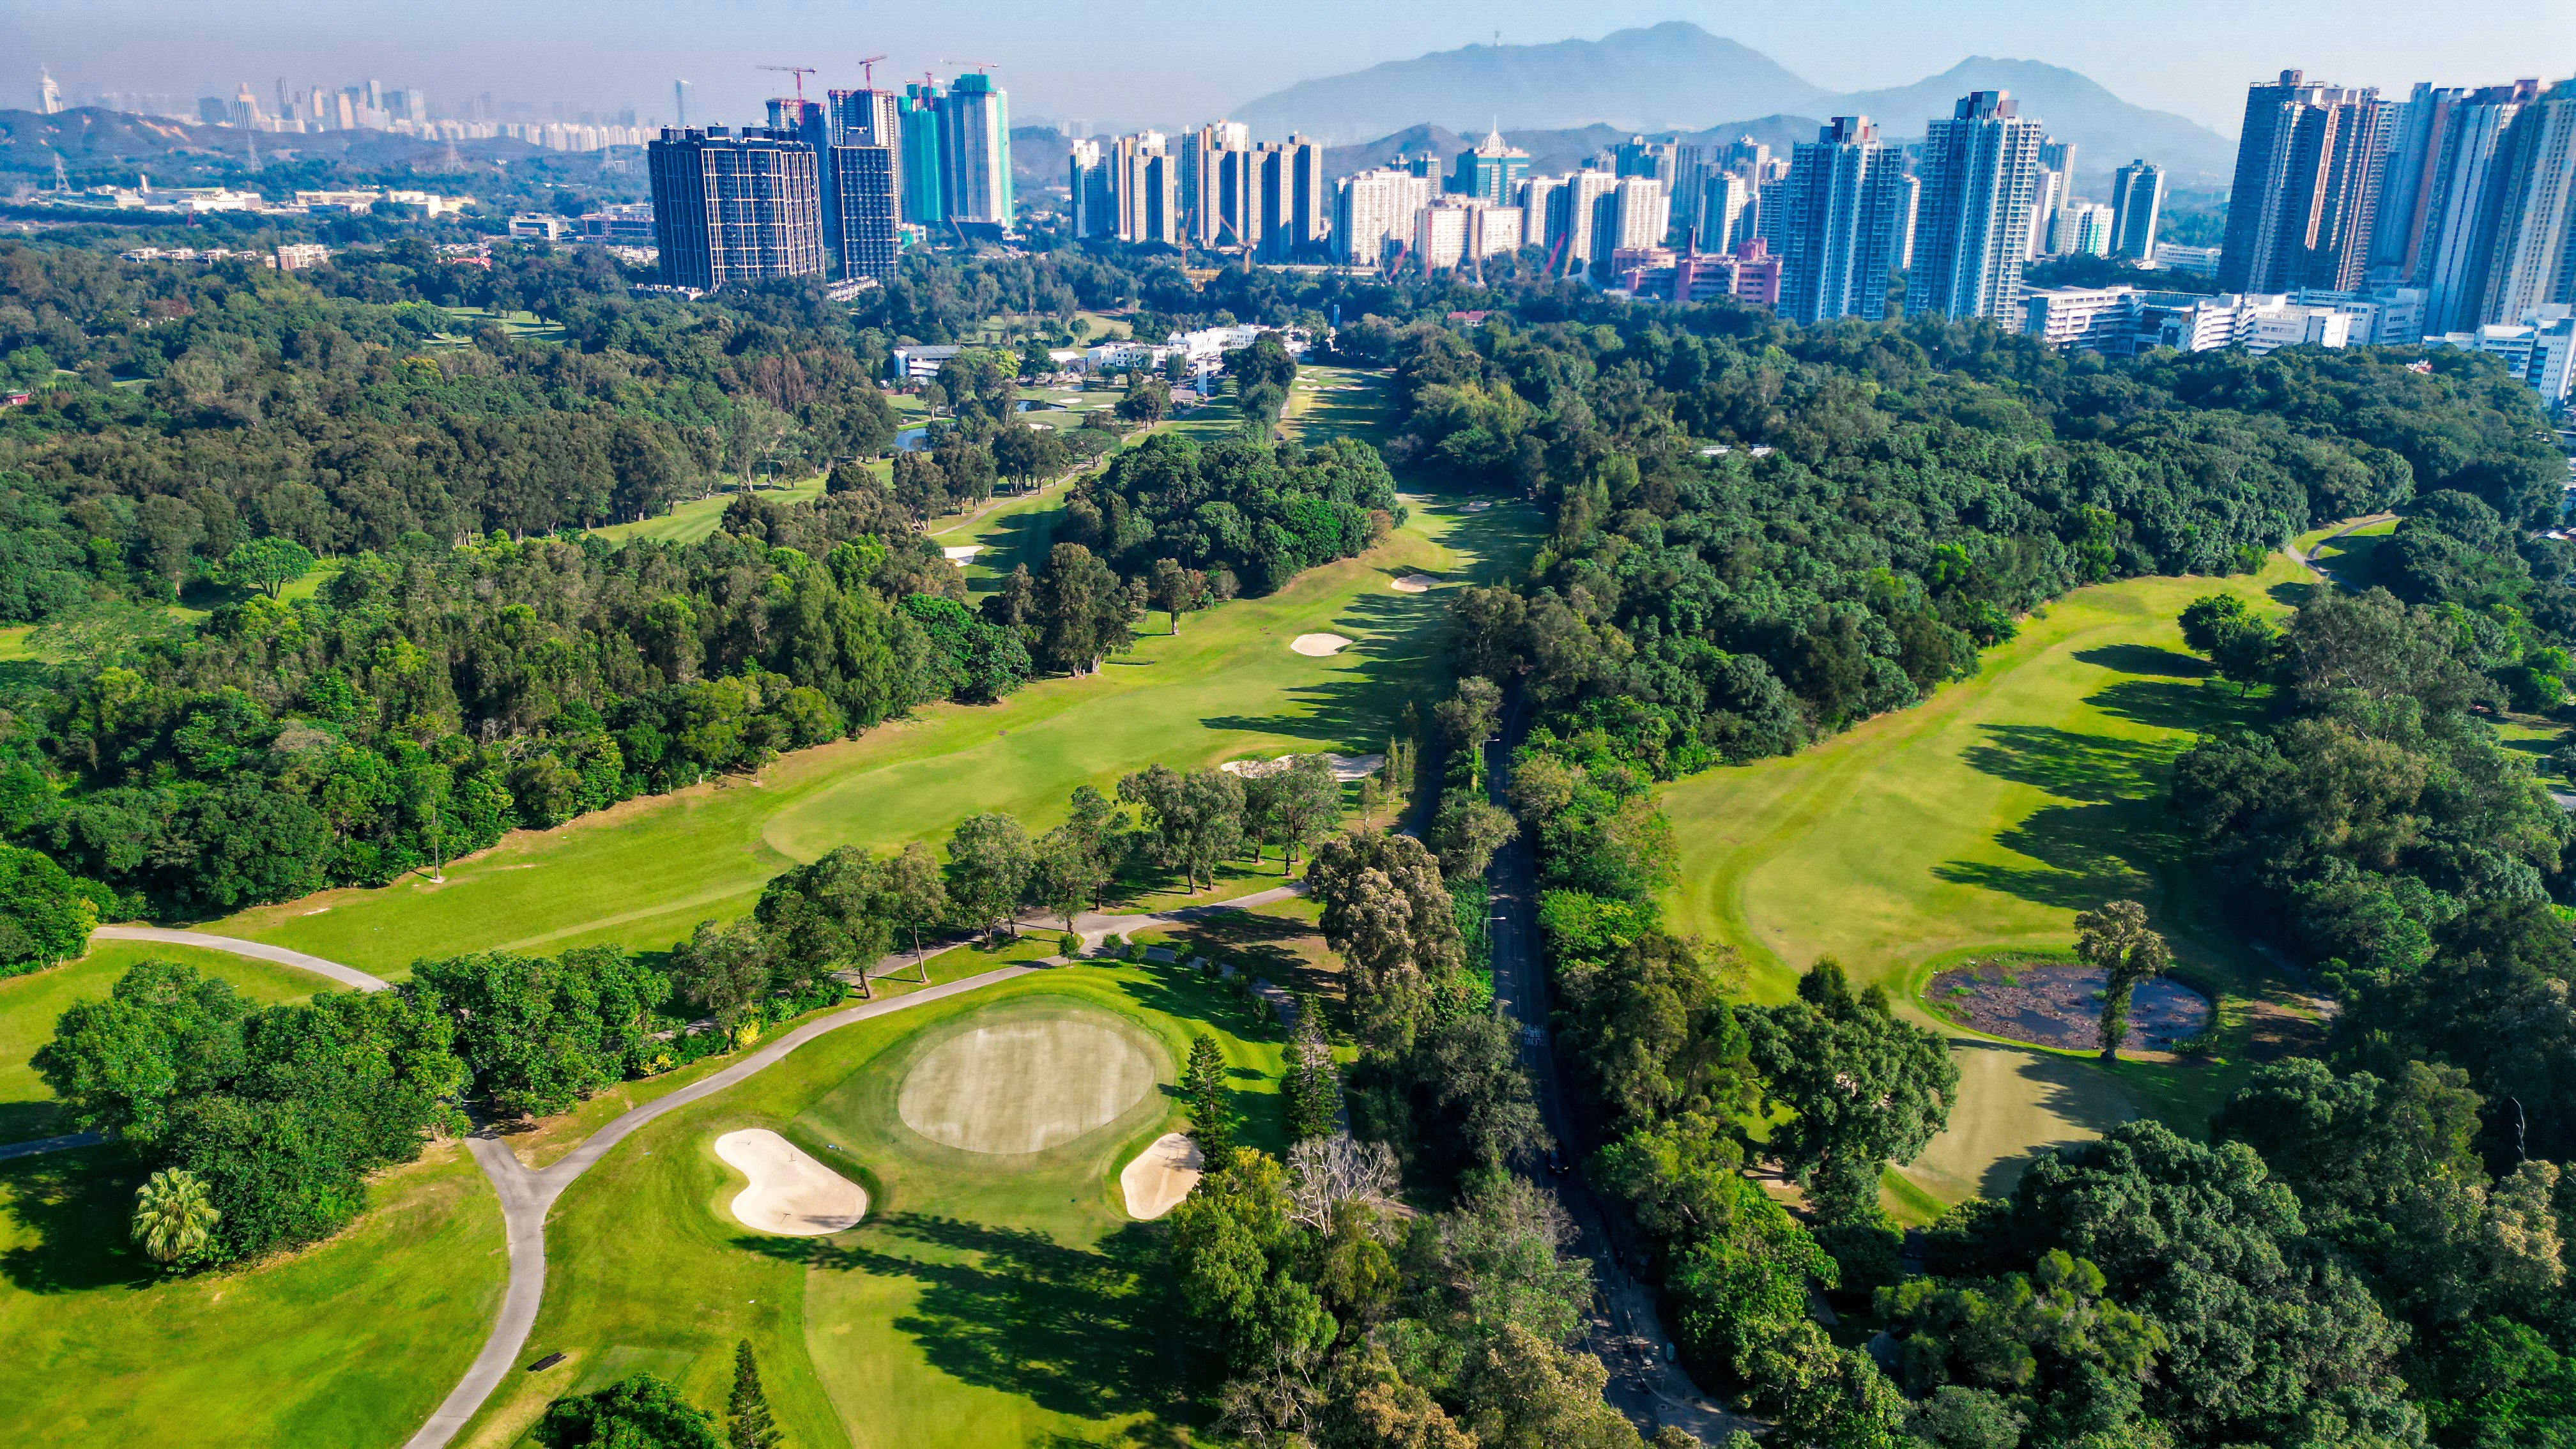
(1319, 644)
(1414, 584)
(1345, 767)
(962, 552)
(1023, 1086)
(790, 1192)
(1480, 505)
(1161, 1176)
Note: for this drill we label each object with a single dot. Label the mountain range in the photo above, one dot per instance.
(1676, 77)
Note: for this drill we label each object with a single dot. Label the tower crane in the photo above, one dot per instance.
(801, 71)
(868, 68)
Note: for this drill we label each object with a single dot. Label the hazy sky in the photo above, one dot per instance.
(1154, 62)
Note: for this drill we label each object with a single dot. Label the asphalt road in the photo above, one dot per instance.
(1624, 1329)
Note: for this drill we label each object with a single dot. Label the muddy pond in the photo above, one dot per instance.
(2059, 1004)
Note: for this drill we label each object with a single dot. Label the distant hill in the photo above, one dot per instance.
(2106, 130)
(1554, 100)
(1663, 76)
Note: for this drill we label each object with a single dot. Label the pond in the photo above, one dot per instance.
(2059, 1004)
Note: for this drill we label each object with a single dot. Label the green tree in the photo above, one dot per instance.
(45, 914)
(1523, 1392)
(1822, 1397)
(989, 861)
(1863, 1088)
(1305, 804)
(2241, 643)
(2270, 1340)
(642, 1412)
(1387, 912)
(1147, 400)
(266, 564)
(748, 1424)
(165, 1034)
(1467, 832)
(540, 1033)
(915, 896)
(1212, 1116)
(173, 1222)
(1310, 1092)
(723, 969)
(1174, 589)
(828, 915)
(1082, 610)
(2115, 939)
(1096, 821)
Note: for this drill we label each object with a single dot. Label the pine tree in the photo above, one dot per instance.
(747, 1421)
(1211, 1117)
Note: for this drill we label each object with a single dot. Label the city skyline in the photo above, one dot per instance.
(1073, 65)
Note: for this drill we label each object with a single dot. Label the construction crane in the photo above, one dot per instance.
(868, 68)
(985, 66)
(801, 71)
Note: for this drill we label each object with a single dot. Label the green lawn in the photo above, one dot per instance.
(688, 522)
(30, 1005)
(352, 1342)
(985, 1301)
(2351, 557)
(645, 872)
(1330, 402)
(1987, 817)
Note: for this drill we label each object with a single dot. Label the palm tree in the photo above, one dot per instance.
(171, 1215)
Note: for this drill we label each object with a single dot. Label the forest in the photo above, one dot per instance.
(1762, 537)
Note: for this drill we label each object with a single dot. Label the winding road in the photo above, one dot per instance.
(528, 1194)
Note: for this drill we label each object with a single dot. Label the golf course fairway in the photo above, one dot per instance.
(988, 1298)
(641, 874)
(1988, 816)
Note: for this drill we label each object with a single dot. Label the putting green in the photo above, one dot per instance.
(1985, 818)
(985, 1300)
(1014, 1086)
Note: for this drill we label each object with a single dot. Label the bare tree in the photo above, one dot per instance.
(1325, 1171)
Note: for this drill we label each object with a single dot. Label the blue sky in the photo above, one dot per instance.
(1155, 62)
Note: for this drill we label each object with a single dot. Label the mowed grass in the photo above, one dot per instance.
(31, 1004)
(1987, 817)
(642, 874)
(352, 1342)
(987, 1300)
(688, 522)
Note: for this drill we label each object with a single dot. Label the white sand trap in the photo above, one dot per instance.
(1319, 645)
(1161, 1176)
(1414, 584)
(1345, 767)
(1479, 505)
(1023, 1086)
(962, 552)
(790, 1192)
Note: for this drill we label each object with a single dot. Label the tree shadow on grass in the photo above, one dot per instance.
(1076, 1331)
(2071, 766)
(2088, 854)
(2163, 703)
(2145, 659)
(2069, 1088)
(1265, 946)
(76, 1204)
